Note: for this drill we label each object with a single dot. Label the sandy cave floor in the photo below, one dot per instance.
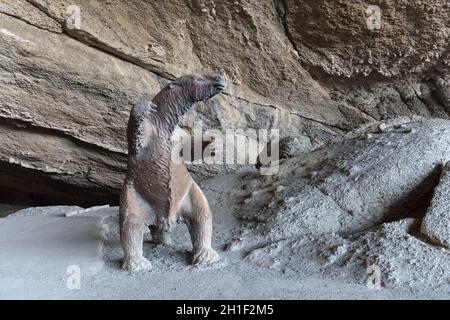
(41, 243)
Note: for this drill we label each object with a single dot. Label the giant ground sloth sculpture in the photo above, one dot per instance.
(156, 189)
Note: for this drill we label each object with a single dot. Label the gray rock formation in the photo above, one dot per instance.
(382, 173)
(357, 203)
(436, 223)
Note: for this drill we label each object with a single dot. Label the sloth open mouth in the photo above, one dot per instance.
(219, 87)
(218, 82)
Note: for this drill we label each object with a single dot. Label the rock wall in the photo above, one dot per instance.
(313, 69)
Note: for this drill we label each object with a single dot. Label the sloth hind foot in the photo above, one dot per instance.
(206, 255)
(136, 264)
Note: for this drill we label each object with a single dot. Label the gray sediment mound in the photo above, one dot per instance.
(357, 202)
(399, 258)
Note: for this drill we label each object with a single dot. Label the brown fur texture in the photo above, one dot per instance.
(158, 190)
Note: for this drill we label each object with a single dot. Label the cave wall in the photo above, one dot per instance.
(312, 69)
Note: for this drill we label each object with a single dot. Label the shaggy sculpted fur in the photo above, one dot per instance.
(158, 190)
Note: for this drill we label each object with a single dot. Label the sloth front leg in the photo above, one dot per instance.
(132, 219)
(198, 218)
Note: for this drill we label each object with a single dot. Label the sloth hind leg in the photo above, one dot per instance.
(132, 219)
(198, 218)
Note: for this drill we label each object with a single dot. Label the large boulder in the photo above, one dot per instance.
(375, 175)
(436, 223)
(355, 207)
